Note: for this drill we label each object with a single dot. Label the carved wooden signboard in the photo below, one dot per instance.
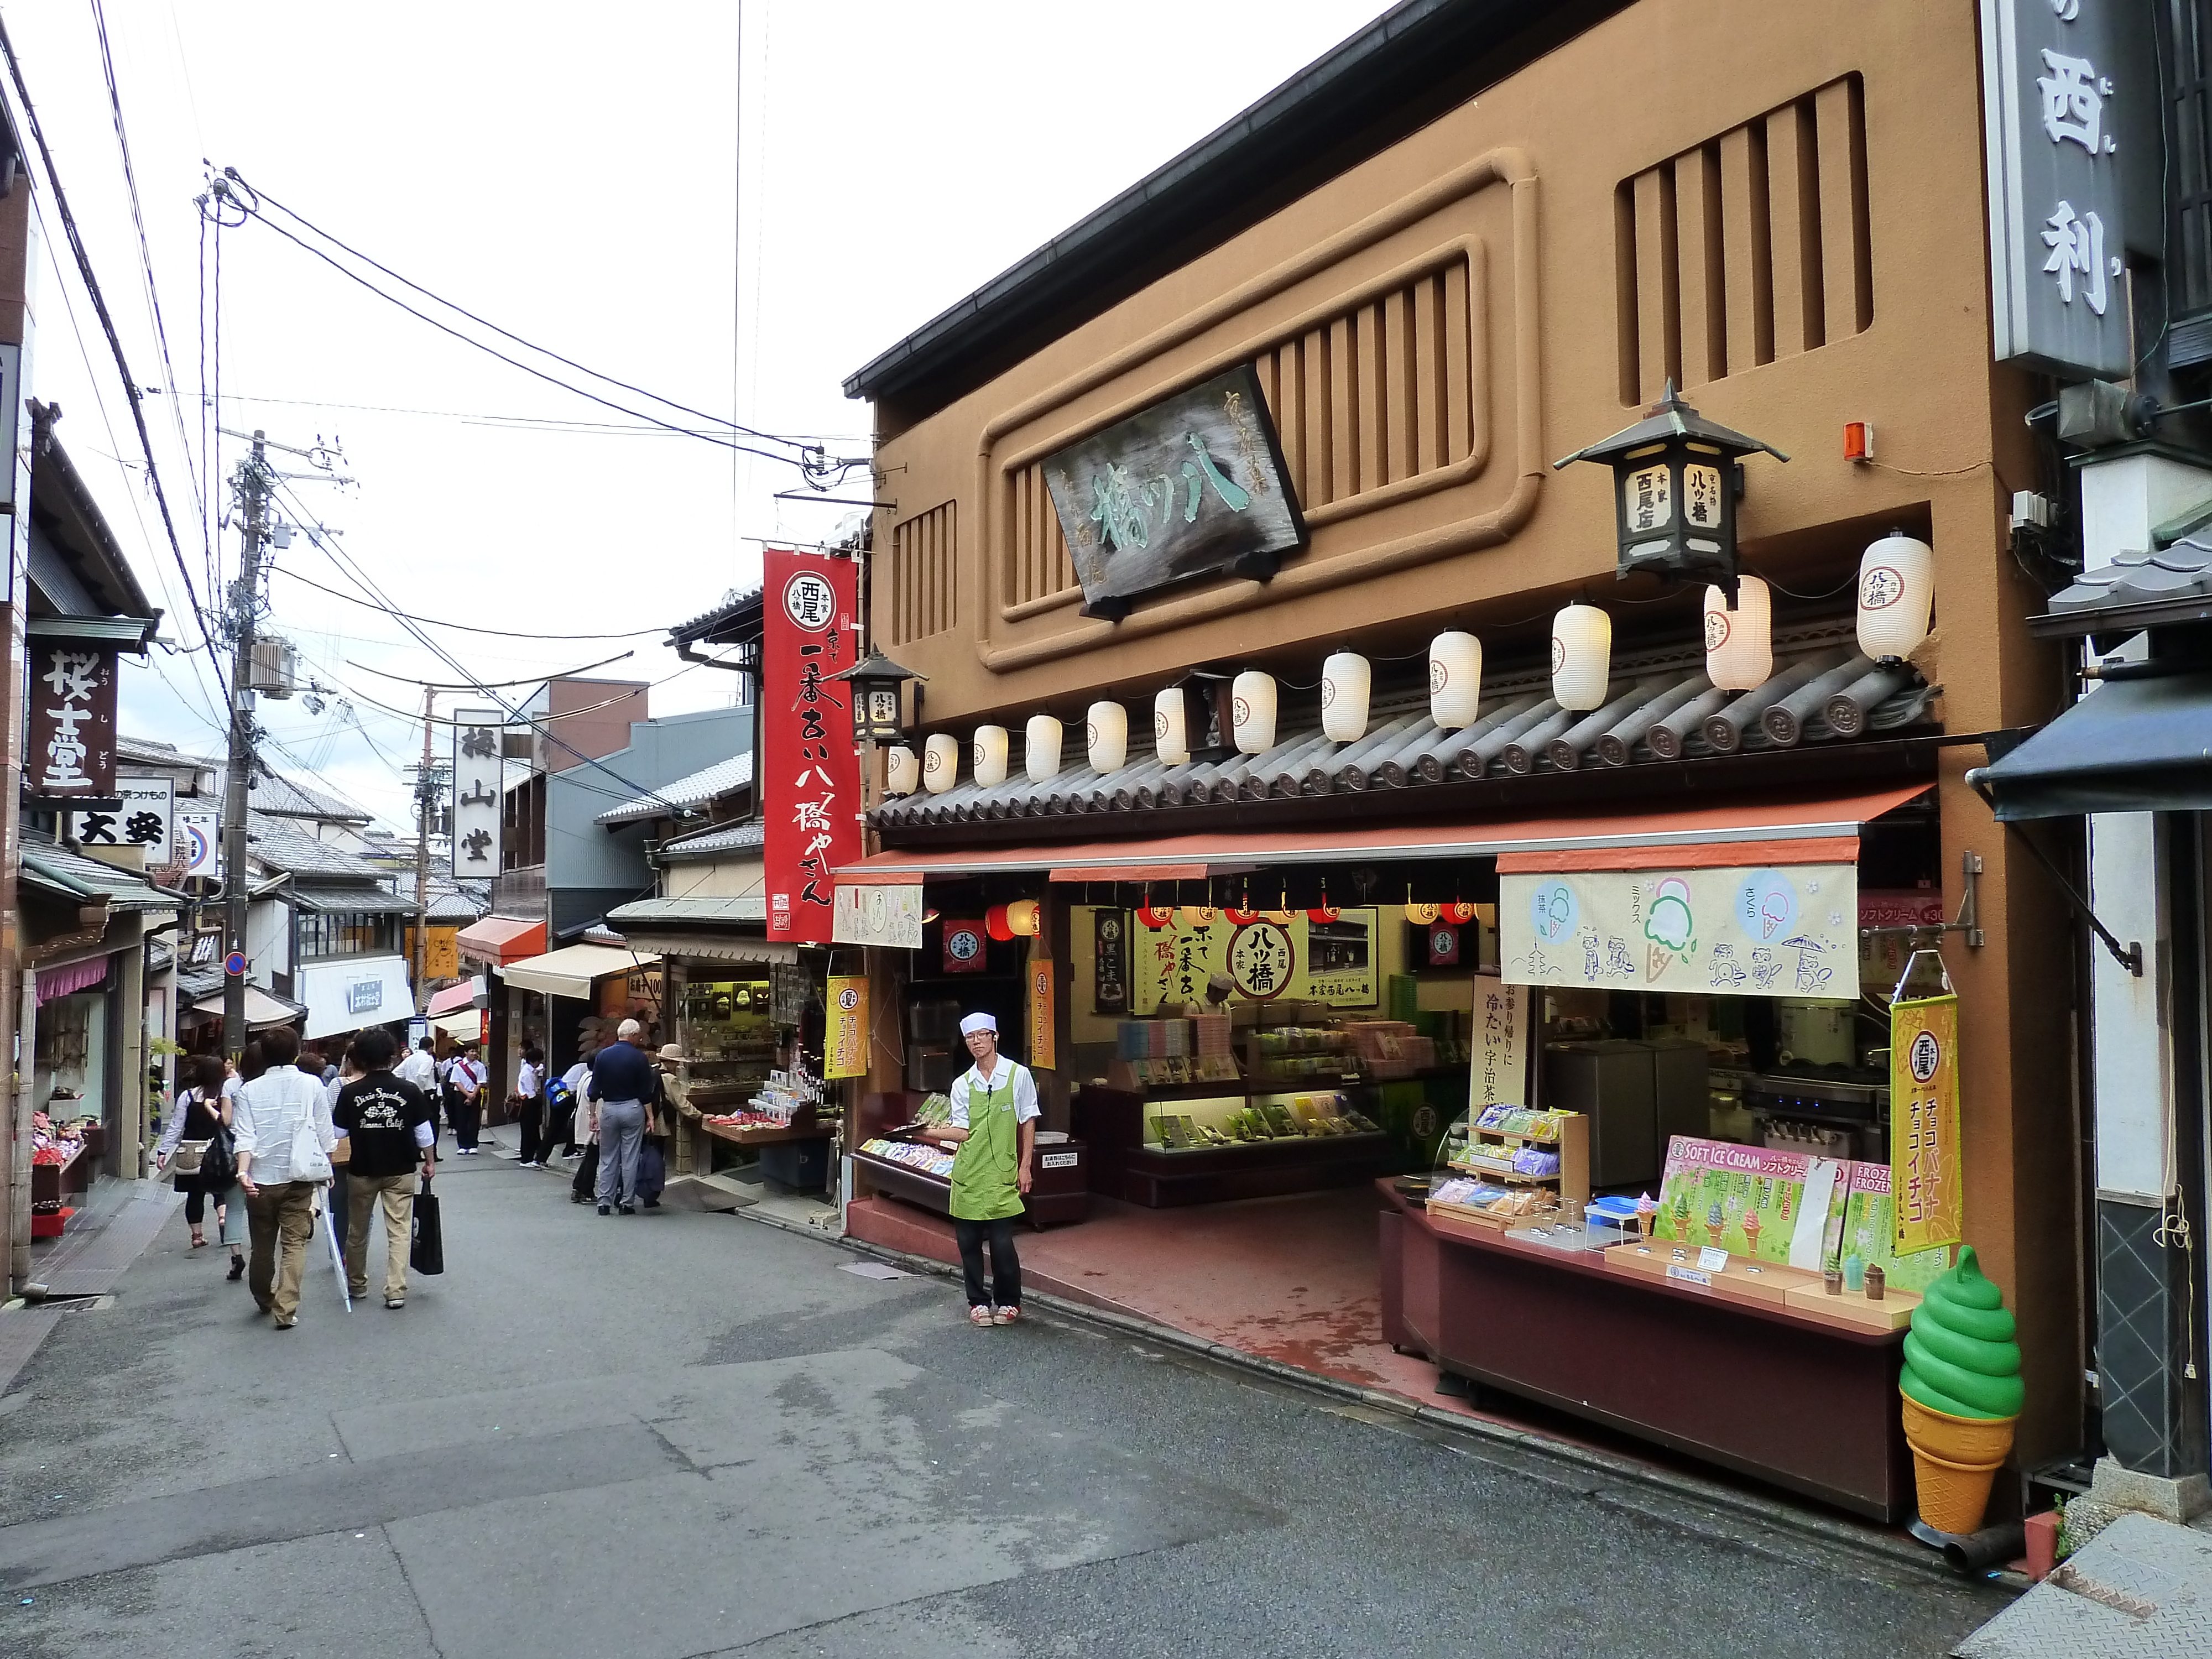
(1193, 486)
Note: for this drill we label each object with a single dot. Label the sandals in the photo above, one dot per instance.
(1007, 1316)
(979, 1317)
(199, 1239)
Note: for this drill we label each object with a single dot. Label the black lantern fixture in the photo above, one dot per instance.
(876, 682)
(1676, 476)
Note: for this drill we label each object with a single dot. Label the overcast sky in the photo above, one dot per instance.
(578, 176)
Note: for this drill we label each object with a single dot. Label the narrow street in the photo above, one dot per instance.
(689, 1434)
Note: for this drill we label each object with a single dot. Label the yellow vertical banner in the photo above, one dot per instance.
(844, 1041)
(1925, 1180)
(1042, 1056)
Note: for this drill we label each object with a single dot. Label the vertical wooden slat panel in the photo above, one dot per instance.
(1427, 391)
(1785, 165)
(1289, 413)
(1458, 392)
(1343, 410)
(1628, 309)
(1370, 415)
(1695, 276)
(1405, 375)
(1321, 417)
(1654, 282)
(1847, 260)
(1745, 238)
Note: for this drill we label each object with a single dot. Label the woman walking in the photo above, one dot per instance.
(203, 1113)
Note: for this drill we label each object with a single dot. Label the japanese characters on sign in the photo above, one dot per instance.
(1925, 1180)
(1109, 962)
(1499, 1066)
(2070, 105)
(198, 843)
(965, 949)
(143, 819)
(844, 1032)
(1260, 961)
(70, 754)
(810, 768)
(478, 785)
(1044, 1052)
(1791, 932)
(878, 914)
(1192, 486)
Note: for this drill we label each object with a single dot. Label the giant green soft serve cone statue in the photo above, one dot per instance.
(1962, 1395)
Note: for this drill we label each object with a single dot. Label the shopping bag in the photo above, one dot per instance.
(651, 1173)
(427, 1254)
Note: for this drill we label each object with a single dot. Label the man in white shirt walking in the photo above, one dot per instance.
(421, 1069)
(273, 1116)
(465, 1083)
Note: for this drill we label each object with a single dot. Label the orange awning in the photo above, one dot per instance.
(1821, 831)
(501, 939)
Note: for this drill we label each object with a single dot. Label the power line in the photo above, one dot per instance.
(145, 247)
(506, 334)
(839, 469)
(114, 343)
(464, 627)
(494, 417)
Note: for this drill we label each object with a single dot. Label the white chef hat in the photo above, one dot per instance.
(975, 1023)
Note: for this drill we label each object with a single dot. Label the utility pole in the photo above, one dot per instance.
(252, 485)
(426, 797)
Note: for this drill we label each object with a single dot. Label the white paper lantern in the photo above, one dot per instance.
(1896, 594)
(1170, 727)
(1739, 643)
(940, 762)
(902, 770)
(1106, 737)
(1582, 656)
(990, 756)
(1252, 705)
(1455, 680)
(1345, 679)
(1041, 749)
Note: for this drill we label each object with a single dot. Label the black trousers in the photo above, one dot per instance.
(195, 1204)
(467, 1115)
(1006, 1264)
(527, 1114)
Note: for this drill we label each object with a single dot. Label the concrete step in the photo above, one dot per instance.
(717, 1193)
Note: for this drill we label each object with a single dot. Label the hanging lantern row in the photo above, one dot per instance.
(1896, 605)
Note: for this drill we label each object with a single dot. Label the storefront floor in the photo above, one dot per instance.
(1294, 1280)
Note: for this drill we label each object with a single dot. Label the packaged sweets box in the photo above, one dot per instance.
(1810, 1212)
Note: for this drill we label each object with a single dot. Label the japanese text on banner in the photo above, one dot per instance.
(810, 776)
(845, 1042)
(1925, 1179)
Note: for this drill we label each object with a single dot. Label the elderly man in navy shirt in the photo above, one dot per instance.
(621, 1093)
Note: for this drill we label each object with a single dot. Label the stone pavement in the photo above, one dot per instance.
(2141, 1587)
(682, 1435)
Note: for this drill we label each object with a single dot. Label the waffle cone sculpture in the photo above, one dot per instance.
(1962, 1395)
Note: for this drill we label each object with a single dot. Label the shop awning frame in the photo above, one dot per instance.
(2134, 746)
(1813, 831)
(498, 940)
(572, 970)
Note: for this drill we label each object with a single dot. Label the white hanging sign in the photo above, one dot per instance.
(479, 778)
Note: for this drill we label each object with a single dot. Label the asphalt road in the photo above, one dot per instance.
(682, 1435)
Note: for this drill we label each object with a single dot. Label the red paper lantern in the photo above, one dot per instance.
(1241, 918)
(1156, 916)
(1325, 913)
(995, 924)
(1457, 913)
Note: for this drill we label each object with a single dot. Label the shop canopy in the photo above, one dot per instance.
(570, 971)
(2128, 746)
(263, 1012)
(501, 939)
(455, 997)
(1823, 830)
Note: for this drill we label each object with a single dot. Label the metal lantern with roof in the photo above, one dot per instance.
(1676, 476)
(877, 711)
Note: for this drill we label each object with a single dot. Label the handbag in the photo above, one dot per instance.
(218, 1161)
(651, 1173)
(309, 1161)
(188, 1156)
(426, 1253)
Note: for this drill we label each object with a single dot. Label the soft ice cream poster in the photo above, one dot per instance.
(1869, 1232)
(1748, 1200)
(1790, 931)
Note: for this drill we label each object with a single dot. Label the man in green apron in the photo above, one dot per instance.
(993, 1132)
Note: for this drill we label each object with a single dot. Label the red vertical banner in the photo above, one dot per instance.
(809, 774)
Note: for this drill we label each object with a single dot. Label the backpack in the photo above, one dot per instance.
(558, 1095)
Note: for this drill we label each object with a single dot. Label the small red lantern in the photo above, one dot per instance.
(1156, 916)
(995, 924)
(1237, 917)
(1325, 913)
(1457, 913)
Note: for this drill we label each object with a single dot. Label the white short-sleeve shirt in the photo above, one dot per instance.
(1025, 1094)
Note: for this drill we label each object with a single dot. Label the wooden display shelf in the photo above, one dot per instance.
(769, 1134)
(1768, 1390)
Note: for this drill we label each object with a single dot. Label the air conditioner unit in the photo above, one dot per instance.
(275, 668)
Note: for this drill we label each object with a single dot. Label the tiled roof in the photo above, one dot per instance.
(665, 912)
(69, 872)
(280, 843)
(146, 752)
(683, 795)
(284, 797)
(737, 837)
(451, 905)
(2182, 571)
(1820, 697)
(371, 900)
